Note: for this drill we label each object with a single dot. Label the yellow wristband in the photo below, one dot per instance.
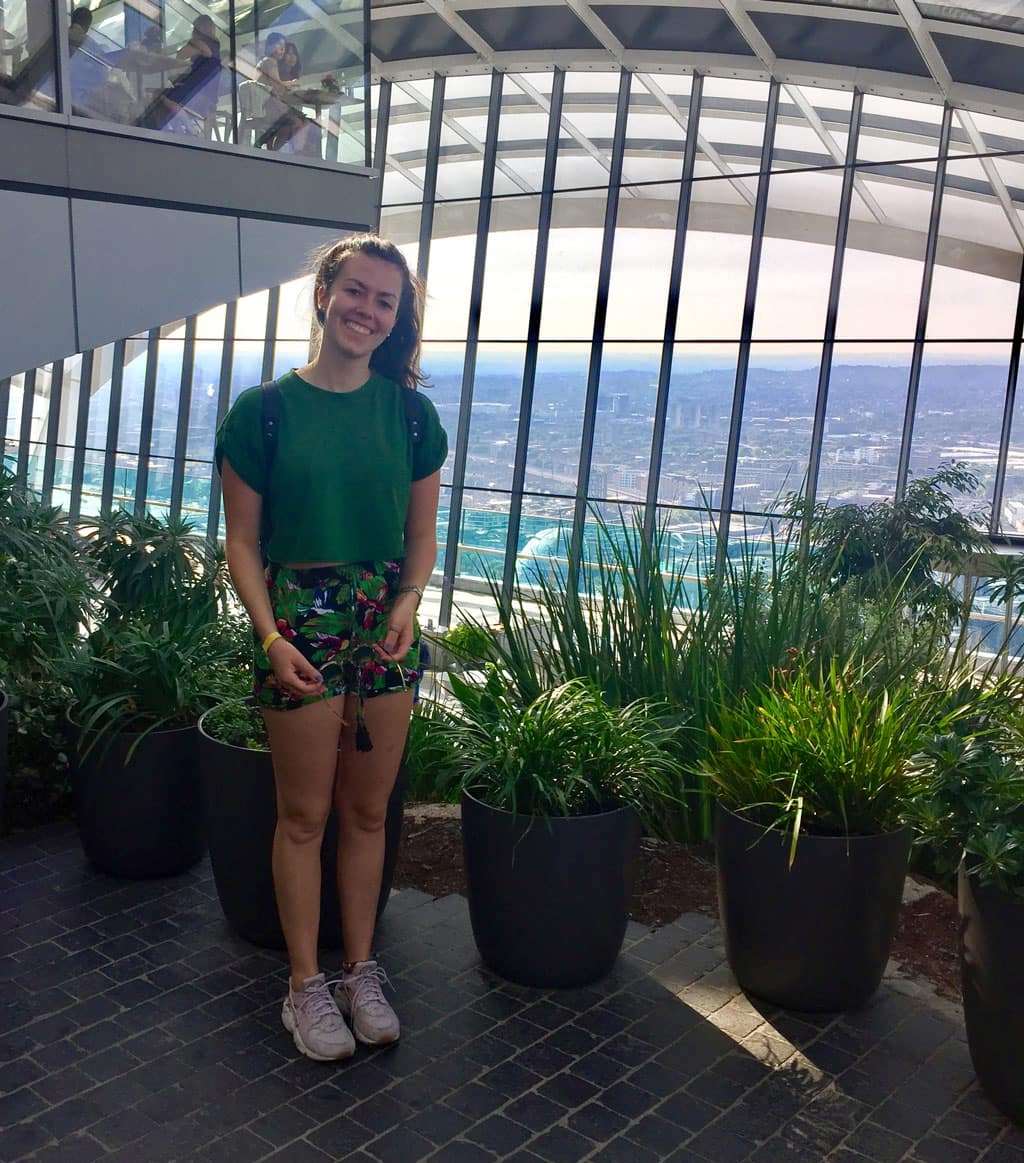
(270, 639)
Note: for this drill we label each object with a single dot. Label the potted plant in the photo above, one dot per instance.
(237, 776)
(812, 774)
(46, 595)
(553, 795)
(971, 816)
(155, 661)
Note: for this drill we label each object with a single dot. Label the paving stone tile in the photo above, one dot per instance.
(440, 1124)
(568, 1090)
(721, 1145)
(561, 1145)
(379, 1113)
(301, 1151)
(498, 1134)
(623, 1150)
(18, 1142)
(656, 1134)
(534, 1111)
(77, 1148)
(339, 1135)
(474, 1100)
(937, 1149)
(687, 1111)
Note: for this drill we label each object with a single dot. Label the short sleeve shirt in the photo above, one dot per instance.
(339, 483)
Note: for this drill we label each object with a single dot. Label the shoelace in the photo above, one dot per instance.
(318, 1003)
(368, 987)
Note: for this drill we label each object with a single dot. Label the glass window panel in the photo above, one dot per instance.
(574, 256)
(133, 386)
(959, 412)
(165, 404)
(398, 189)
(246, 366)
(892, 128)
(556, 424)
(880, 293)
(443, 365)
(196, 490)
(715, 266)
(999, 132)
(295, 310)
(587, 81)
(971, 211)
(210, 324)
(905, 197)
(778, 413)
(288, 356)
(158, 486)
(15, 400)
(27, 57)
(35, 465)
(797, 144)
(577, 169)
(251, 317)
(408, 129)
(697, 424)
(450, 272)
(494, 423)
(202, 415)
(484, 527)
(638, 291)
(970, 304)
(508, 275)
(794, 277)
(460, 176)
(67, 424)
(621, 459)
(1011, 517)
(867, 395)
(403, 228)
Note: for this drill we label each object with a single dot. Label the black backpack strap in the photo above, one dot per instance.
(414, 415)
(270, 400)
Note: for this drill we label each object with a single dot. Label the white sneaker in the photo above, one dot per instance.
(313, 1019)
(360, 997)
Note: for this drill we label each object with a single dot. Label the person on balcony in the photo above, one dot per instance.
(190, 100)
(351, 497)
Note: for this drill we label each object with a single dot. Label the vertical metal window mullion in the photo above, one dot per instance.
(113, 424)
(146, 427)
(188, 360)
(223, 401)
(483, 228)
(672, 309)
(233, 49)
(931, 246)
(270, 334)
(5, 404)
(62, 58)
(995, 517)
(380, 145)
(52, 429)
(611, 213)
(832, 310)
(28, 396)
(540, 263)
(81, 432)
(747, 328)
(430, 176)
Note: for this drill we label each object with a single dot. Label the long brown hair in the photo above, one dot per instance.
(398, 357)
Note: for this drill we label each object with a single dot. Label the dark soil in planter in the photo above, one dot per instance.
(680, 878)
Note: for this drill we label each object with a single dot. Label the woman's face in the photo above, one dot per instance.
(361, 305)
(277, 50)
(291, 57)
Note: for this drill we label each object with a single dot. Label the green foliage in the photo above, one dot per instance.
(871, 550)
(568, 752)
(157, 569)
(826, 751)
(239, 723)
(971, 809)
(428, 757)
(470, 642)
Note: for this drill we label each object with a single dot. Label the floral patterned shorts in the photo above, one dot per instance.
(333, 615)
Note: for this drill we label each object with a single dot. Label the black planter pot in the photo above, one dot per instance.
(549, 898)
(5, 708)
(992, 971)
(817, 936)
(241, 815)
(142, 818)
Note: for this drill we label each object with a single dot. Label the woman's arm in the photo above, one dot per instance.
(243, 507)
(420, 556)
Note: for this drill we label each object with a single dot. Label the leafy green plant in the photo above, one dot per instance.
(971, 807)
(568, 752)
(239, 723)
(470, 642)
(428, 756)
(823, 751)
(906, 543)
(157, 568)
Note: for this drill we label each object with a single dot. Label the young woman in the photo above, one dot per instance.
(353, 504)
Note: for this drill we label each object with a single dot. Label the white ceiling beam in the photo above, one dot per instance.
(469, 138)
(929, 51)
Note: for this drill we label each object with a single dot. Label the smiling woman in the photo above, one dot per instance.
(351, 544)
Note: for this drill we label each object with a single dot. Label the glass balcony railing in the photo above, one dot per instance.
(286, 77)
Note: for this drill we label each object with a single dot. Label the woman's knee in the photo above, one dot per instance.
(302, 825)
(362, 817)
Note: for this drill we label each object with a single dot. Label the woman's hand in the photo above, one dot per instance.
(401, 629)
(295, 674)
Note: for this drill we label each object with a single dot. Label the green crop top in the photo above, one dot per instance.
(339, 483)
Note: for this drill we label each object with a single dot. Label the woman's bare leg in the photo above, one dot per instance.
(364, 783)
(304, 748)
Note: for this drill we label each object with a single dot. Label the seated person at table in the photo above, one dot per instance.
(289, 130)
(192, 96)
(98, 87)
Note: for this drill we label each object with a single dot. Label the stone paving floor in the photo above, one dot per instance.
(135, 1028)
